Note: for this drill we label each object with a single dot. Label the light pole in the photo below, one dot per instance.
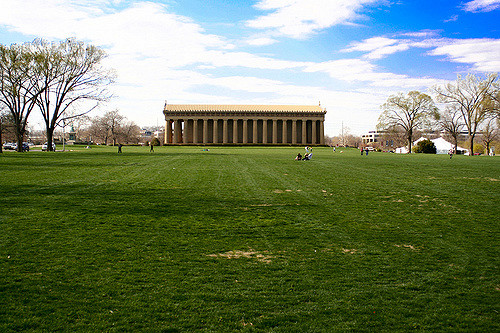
(63, 133)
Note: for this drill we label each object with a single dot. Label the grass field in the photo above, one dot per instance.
(247, 239)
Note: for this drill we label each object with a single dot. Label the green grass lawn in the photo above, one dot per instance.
(247, 239)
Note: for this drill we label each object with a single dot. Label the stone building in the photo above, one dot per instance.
(244, 124)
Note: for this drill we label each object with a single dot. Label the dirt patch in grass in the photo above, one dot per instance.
(479, 178)
(411, 247)
(349, 251)
(281, 191)
(249, 254)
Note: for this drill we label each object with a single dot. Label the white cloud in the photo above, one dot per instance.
(481, 5)
(426, 33)
(451, 19)
(301, 18)
(357, 70)
(378, 47)
(483, 54)
(248, 60)
(371, 44)
(261, 41)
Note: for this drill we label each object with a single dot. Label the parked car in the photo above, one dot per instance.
(9, 146)
(45, 146)
(26, 147)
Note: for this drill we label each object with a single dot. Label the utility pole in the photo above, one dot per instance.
(64, 126)
(343, 141)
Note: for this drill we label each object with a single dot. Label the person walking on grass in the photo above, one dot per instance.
(151, 149)
(119, 148)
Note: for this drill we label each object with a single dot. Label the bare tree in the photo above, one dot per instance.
(451, 122)
(492, 101)
(395, 136)
(96, 132)
(112, 125)
(129, 132)
(112, 122)
(19, 85)
(470, 97)
(72, 73)
(489, 133)
(409, 113)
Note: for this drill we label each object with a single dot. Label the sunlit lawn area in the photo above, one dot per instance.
(246, 238)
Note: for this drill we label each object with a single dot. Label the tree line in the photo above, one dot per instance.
(56, 79)
(471, 103)
(112, 128)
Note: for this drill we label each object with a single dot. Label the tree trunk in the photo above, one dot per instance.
(471, 146)
(19, 138)
(50, 135)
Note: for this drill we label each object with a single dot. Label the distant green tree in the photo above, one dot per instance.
(425, 146)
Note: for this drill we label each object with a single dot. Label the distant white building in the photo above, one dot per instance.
(442, 147)
(371, 136)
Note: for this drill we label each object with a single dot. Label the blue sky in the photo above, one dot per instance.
(350, 55)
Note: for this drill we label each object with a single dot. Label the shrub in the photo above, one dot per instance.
(425, 146)
(479, 148)
(155, 142)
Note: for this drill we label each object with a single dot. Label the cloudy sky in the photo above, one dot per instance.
(350, 55)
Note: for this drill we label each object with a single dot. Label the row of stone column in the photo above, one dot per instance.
(244, 131)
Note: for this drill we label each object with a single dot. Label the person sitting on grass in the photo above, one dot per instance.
(298, 157)
(307, 157)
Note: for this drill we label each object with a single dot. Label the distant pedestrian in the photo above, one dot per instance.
(366, 152)
(334, 149)
(450, 152)
(119, 148)
(361, 151)
(151, 149)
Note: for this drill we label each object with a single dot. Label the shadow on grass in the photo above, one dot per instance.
(108, 201)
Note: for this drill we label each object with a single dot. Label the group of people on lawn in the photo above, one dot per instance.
(306, 157)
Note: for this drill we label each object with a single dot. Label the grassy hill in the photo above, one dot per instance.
(246, 238)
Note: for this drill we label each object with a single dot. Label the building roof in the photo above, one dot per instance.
(242, 108)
